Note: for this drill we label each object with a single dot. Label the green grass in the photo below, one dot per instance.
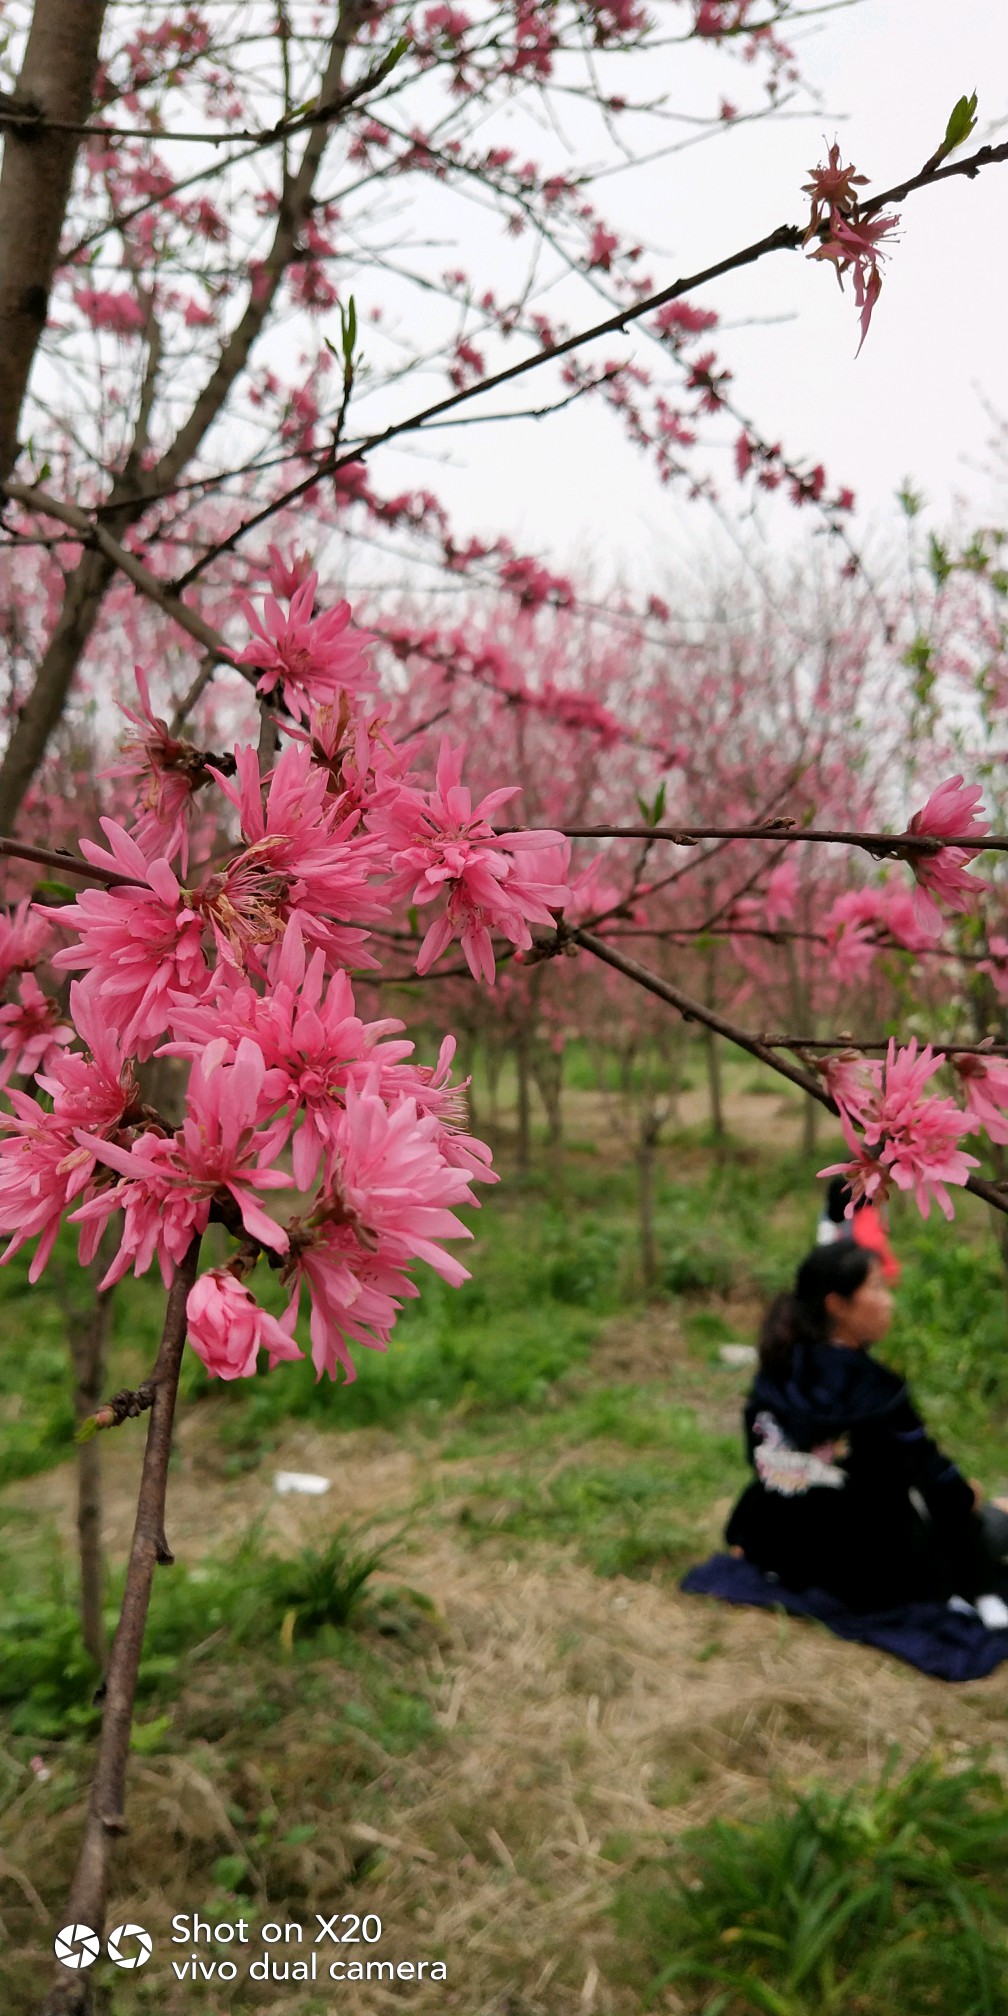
(247, 1599)
(635, 1502)
(887, 1901)
(311, 1673)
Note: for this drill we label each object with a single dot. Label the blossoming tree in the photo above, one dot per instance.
(151, 428)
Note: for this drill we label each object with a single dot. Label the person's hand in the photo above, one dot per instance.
(977, 1490)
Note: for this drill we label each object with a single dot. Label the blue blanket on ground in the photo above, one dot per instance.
(948, 1644)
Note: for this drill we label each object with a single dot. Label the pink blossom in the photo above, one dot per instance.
(313, 1043)
(33, 1033)
(120, 313)
(288, 574)
(856, 248)
(452, 20)
(303, 860)
(228, 1329)
(997, 965)
(167, 1186)
(385, 1207)
(781, 894)
(168, 773)
(952, 809)
(442, 845)
(887, 906)
(390, 1182)
(24, 935)
(41, 1168)
(854, 1083)
(94, 1091)
(865, 1177)
(924, 1156)
(604, 243)
(431, 1089)
(355, 1296)
(311, 658)
(984, 1082)
(832, 187)
(141, 943)
(911, 1136)
(852, 950)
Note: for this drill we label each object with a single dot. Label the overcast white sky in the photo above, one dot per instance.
(888, 73)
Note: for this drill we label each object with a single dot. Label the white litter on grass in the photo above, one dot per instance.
(300, 1481)
(738, 1355)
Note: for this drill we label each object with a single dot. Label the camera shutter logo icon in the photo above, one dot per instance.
(77, 1946)
(140, 1954)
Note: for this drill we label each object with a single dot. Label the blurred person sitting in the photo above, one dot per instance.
(850, 1494)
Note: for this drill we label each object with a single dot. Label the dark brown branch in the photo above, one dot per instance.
(31, 119)
(886, 845)
(106, 1820)
(832, 1045)
(786, 238)
(94, 534)
(757, 1046)
(126, 1405)
(696, 1011)
(66, 864)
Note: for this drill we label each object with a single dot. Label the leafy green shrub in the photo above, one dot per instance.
(585, 1266)
(47, 1680)
(879, 1901)
(951, 1328)
(320, 1586)
(694, 1265)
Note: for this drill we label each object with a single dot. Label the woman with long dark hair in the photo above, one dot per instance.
(850, 1494)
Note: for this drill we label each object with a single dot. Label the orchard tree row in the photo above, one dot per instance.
(222, 305)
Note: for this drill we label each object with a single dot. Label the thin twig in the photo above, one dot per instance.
(106, 1820)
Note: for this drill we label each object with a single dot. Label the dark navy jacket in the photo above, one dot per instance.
(837, 1447)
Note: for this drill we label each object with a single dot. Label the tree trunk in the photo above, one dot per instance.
(57, 80)
(548, 1069)
(494, 1060)
(88, 1340)
(999, 1157)
(714, 1090)
(524, 1144)
(711, 1046)
(810, 1125)
(650, 1129)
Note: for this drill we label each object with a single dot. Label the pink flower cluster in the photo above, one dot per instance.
(951, 810)
(441, 845)
(849, 242)
(907, 1135)
(240, 973)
